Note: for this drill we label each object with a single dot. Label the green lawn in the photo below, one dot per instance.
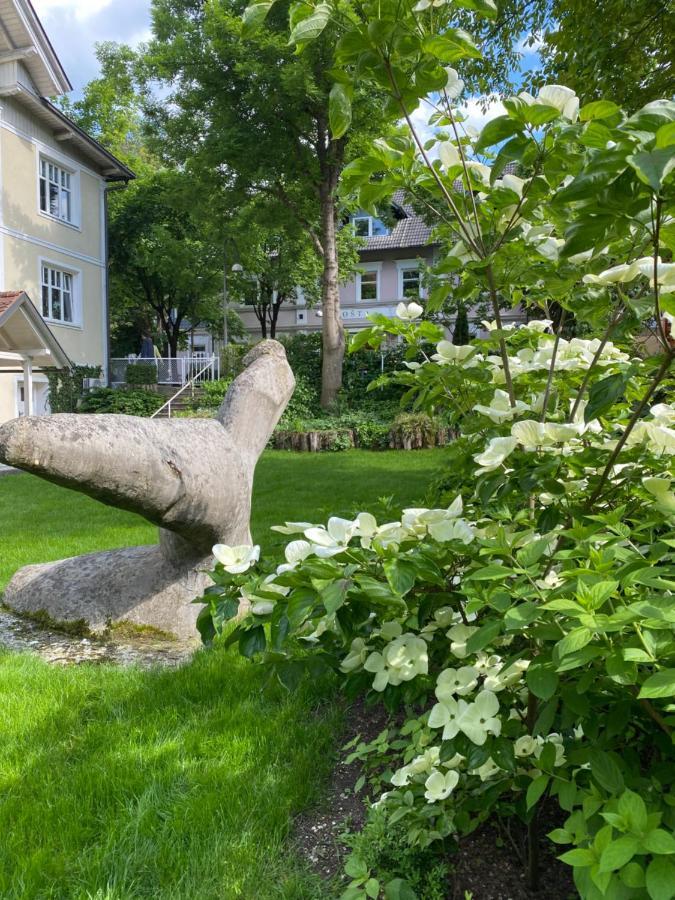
(118, 784)
(41, 522)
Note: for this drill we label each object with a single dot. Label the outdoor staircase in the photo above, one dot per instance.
(188, 400)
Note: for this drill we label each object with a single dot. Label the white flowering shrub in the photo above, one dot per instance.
(526, 631)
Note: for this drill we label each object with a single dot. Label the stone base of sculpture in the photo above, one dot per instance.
(134, 585)
(192, 478)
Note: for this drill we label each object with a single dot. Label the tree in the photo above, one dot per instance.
(461, 333)
(275, 259)
(245, 109)
(166, 266)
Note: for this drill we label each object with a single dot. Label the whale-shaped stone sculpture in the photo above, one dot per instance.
(191, 477)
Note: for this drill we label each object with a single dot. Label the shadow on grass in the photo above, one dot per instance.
(123, 784)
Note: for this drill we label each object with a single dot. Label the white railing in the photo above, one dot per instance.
(196, 378)
(179, 371)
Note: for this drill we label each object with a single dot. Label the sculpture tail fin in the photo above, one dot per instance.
(257, 398)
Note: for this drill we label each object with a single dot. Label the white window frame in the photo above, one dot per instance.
(73, 174)
(75, 293)
(405, 265)
(370, 220)
(370, 267)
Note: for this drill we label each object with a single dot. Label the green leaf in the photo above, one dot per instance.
(603, 395)
(665, 136)
(659, 842)
(486, 8)
(632, 807)
(453, 44)
(205, 625)
(333, 595)
(496, 131)
(573, 641)
(398, 889)
(252, 641)
(580, 857)
(660, 684)
(355, 867)
(598, 109)
(654, 166)
(521, 615)
(606, 771)
(540, 114)
(542, 680)
(300, 603)
(372, 888)
(535, 790)
(618, 853)
(661, 879)
(254, 16)
(339, 109)
(401, 575)
(309, 29)
(484, 636)
(490, 573)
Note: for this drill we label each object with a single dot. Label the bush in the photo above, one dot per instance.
(66, 387)
(141, 373)
(213, 392)
(127, 402)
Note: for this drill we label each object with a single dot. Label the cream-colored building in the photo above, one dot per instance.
(53, 238)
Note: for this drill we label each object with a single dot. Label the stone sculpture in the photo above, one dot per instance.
(191, 477)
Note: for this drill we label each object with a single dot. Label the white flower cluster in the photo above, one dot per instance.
(416, 524)
(403, 659)
(657, 433)
(626, 272)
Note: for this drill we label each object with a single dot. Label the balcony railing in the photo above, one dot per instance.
(177, 371)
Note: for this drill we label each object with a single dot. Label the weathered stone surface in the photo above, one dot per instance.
(191, 477)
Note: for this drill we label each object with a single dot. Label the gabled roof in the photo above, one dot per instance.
(23, 332)
(410, 229)
(22, 33)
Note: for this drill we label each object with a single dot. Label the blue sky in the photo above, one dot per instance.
(74, 27)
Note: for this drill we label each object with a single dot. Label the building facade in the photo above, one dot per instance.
(392, 262)
(53, 183)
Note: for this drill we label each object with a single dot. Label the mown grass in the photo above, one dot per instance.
(120, 784)
(40, 522)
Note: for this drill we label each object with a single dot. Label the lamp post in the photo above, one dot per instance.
(235, 268)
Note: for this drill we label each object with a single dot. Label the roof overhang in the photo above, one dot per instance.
(22, 31)
(24, 336)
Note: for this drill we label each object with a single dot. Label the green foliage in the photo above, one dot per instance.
(141, 374)
(524, 634)
(213, 392)
(128, 402)
(460, 334)
(66, 387)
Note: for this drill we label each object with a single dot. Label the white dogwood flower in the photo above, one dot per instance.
(358, 653)
(660, 488)
(495, 453)
(409, 311)
(562, 98)
(500, 409)
(439, 786)
(525, 746)
(454, 85)
(236, 560)
(449, 354)
(476, 720)
(488, 770)
(333, 539)
(458, 635)
(292, 527)
(453, 682)
(402, 660)
(449, 156)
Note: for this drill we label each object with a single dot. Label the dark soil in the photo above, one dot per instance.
(487, 865)
(317, 832)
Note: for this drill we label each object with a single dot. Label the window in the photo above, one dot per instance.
(57, 295)
(368, 285)
(56, 191)
(411, 284)
(367, 226)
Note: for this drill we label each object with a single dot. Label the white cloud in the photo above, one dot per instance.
(81, 9)
(477, 111)
(75, 26)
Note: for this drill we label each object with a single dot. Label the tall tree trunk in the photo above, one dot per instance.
(333, 330)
